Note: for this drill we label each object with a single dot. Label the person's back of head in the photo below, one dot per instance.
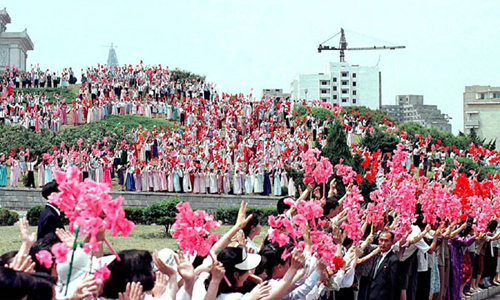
(12, 287)
(134, 266)
(281, 206)
(49, 188)
(331, 203)
(44, 243)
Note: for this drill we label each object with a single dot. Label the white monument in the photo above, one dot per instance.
(13, 45)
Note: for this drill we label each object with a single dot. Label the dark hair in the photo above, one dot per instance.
(134, 266)
(49, 188)
(492, 225)
(11, 285)
(44, 243)
(7, 257)
(41, 285)
(330, 203)
(387, 232)
(16, 285)
(272, 254)
(254, 221)
(229, 257)
(281, 206)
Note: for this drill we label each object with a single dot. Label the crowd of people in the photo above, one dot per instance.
(442, 260)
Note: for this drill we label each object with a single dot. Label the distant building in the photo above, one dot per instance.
(14, 46)
(275, 93)
(411, 108)
(343, 83)
(482, 111)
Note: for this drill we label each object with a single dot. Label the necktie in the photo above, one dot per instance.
(377, 264)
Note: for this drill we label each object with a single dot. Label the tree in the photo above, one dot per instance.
(380, 140)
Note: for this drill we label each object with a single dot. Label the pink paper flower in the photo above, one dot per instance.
(192, 230)
(44, 258)
(102, 273)
(60, 250)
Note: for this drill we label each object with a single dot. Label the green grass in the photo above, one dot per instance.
(65, 93)
(148, 237)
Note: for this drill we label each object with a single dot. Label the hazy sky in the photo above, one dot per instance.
(243, 44)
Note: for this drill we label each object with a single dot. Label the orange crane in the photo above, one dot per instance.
(343, 46)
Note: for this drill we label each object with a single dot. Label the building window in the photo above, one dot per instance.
(334, 79)
(354, 83)
(334, 97)
(354, 92)
(353, 100)
(344, 100)
(324, 99)
(325, 82)
(345, 91)
(345, 74)
(345, 82)
(335, 88)
(353, 75)
(324, 91)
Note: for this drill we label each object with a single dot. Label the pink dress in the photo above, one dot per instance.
(14, 173)
(106, 176)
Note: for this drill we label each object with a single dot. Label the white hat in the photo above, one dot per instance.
(250, 261)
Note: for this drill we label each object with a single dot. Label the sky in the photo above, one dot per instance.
(252, 44)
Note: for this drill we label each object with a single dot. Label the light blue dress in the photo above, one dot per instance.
(3, 175)
(177, 182)
(48, 173)
(259, 183)
(248, 184)
(277, 183)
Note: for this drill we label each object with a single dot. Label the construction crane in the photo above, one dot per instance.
(343, 46)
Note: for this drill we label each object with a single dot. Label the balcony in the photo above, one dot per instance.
(472, 123)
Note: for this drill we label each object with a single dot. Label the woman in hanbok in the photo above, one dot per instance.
(74, 116)
(168, 111)
(174, 113)
(186, 183)
(291, 187)
(41, 174)
(267, 184)
(213, 182)
(147, 110)
(170, 181)
(130, 181)
(277, 182)
(156, 179)
(203, 186)
(196, 184)
(48, 172)
(106, 175)
(138, 179)
(237, 183)
(227, 182)
(284, 178)
(3, 174)
(249, 183)
(163, 179)
(258, 185)
(119, 173)
(177, 183)
(15, 169)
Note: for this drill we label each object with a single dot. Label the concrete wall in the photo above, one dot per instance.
(22, 199)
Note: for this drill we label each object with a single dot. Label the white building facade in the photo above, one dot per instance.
(14, 46)
(345, 84)
(481, 106)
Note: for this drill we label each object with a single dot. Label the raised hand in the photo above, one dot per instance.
(160, 285)
(66, 237)
(163, 267)
(133, 291)
(261, 291)
(22, 263)
(242, 219)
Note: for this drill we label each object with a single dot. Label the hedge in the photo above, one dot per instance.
(135, 214)
(8, 217)
(33, 214)
(162, 213)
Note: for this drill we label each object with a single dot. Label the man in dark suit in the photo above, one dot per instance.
(50, 217)
(384, 279)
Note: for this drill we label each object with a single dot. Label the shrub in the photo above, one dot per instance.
(33, 214)
(8, 217)
(230, 214)
(135, 214)
(162, 213)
